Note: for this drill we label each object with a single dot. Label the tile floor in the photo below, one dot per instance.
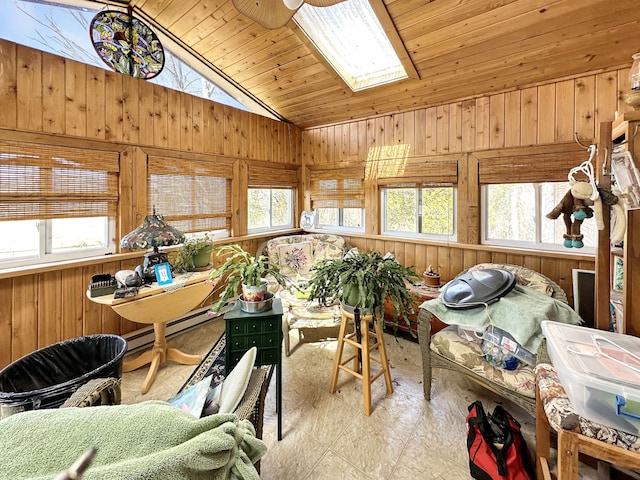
(327, 436)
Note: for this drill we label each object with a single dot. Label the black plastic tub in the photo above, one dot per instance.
(47, 377)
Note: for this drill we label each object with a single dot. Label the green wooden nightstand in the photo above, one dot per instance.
(262, 330)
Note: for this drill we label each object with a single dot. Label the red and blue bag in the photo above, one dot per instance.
(497, 449)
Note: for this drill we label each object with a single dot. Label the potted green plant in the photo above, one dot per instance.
(364, 280)
(194, 253)
(242, 269)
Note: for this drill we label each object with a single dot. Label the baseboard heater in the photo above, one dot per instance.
(144, 337)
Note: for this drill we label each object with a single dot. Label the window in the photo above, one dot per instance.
(337, 196)
(271, 202)
(269, 209)
(514, 216)
(54, 27)
(341, 218)
(194, 196)
(59, 203)
(350, 37)
(427, 211)
(24, 242)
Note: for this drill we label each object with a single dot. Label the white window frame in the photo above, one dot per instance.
(44, 256)
(418, 213)
(271, 227)
(540, 219)
(339, 227)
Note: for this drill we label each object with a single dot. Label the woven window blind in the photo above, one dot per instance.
(265, 177)
(193, 195)
(46, 181)
(531, 168)
(337, 188)
(394, 175)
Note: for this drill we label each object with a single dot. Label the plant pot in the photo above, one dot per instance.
(253, 293)
(202, 259)
(431, 280)
(257, 306)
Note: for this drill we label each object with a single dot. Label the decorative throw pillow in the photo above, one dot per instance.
(274, 243)
(235, 384)
(295, 259)
(327, 251)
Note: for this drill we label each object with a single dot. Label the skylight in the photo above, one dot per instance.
(352, 40)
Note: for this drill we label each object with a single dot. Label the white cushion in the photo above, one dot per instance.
(327, 251)
(235, 384)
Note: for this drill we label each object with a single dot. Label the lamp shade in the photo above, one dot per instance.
(154, 232)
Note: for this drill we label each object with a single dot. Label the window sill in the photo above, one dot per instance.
(117, 257)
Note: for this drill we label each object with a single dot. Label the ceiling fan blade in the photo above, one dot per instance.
(268, 13)
(323, 3)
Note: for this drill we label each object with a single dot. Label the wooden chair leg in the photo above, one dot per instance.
(383, 356)
(543, 441)
(568, 454)
(338, 357)
(366, 365)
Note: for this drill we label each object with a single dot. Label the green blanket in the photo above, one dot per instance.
(149, 440)
(519, 313)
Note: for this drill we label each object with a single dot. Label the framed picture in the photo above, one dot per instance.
(163, 273)
(307, 219)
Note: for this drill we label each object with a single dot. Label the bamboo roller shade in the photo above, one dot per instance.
(552, 167)
(48, 181)
(193, 195)
(397, 174)
(337, 188)
(272, 177)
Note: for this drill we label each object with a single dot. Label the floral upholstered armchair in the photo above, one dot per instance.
(295, 255)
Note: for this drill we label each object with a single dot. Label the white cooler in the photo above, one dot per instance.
(600, 372)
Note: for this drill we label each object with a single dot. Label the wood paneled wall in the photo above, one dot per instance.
(43, 95)
(49, 306)
(542, 118)
(48, 99)
(542, 114)
(40, 92)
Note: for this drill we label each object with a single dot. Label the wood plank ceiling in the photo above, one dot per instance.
(460, 48)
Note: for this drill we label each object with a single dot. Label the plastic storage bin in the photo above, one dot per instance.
(47, 377)
(600, 372)
(504, 340)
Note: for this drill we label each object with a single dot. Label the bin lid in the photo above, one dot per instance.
(476, 288)
(594, 357)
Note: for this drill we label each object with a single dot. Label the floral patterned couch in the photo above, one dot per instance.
(295, 255)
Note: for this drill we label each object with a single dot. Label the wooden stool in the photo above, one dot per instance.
(362, 357)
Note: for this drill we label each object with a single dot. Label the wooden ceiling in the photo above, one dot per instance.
(460, 48)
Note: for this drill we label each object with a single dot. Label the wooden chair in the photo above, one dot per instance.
(554, 412)
(434, 359)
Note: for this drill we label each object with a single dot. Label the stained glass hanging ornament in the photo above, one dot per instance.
(126, 44)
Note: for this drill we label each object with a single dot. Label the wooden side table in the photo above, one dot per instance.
(157, 305)
(262, 330)
(420, 293)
